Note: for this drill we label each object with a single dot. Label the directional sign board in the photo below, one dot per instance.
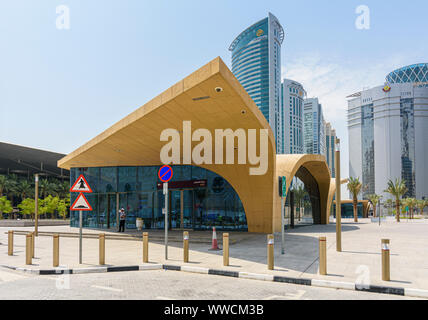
(165, 173)
(81, 185)
(81, 203)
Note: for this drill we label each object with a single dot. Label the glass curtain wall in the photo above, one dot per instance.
(135, 189)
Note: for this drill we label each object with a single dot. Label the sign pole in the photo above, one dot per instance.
(282, 225)
(165, 190)
(80, 236)
(165, 174)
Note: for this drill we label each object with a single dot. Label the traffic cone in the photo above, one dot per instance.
(214, 245)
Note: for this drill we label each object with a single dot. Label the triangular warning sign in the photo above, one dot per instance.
(81, 185)
(81, 203)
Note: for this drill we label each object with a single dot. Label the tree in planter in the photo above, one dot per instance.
(397, 189)
(354, 186)
(374, 199)
(411, 204)
(5, 206)
(49, 205)
(421, 205)
(63, 206)
(27, 207)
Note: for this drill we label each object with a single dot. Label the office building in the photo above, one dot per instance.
(293, 95)
(388, 132)
(256, 63)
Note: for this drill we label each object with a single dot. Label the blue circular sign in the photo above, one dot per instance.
(165, 173)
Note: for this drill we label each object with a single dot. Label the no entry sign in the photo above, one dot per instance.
(165, 173)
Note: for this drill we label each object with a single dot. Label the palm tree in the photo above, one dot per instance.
(11, 186)
(397, 189)
(63, 189)
(374, 199)
(3, 182)
(44, 187)
(24, 189)
(299, 195)
(421, 205)
(411, 204)
(354, 187)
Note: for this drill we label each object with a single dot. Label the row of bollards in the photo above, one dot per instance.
(30, 252)
(322, 245)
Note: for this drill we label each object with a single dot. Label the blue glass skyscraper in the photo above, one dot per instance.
(256, 63)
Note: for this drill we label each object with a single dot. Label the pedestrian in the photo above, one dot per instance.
(122, 219)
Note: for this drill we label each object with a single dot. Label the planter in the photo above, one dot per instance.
(139, 224)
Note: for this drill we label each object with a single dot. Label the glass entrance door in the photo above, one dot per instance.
(181, 209)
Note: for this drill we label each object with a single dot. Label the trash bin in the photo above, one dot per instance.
(139, 224)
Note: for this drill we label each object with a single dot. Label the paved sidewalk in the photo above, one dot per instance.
(360, 261)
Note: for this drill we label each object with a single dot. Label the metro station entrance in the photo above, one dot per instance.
(185, 203)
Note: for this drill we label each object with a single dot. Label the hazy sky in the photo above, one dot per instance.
(60, 88)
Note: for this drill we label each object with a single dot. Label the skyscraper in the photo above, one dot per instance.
(256, 63)
(313, 127)
(330, 141)
(292, 104)
(388, 132)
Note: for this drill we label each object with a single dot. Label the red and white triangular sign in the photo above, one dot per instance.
(81, 185)
(81, 203)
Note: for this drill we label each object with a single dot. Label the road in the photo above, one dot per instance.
(162, 285)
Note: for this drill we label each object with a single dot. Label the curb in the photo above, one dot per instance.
(410, 292)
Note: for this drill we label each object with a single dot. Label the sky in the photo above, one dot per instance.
(61, 87)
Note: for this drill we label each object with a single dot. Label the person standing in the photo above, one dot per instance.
(122, 219)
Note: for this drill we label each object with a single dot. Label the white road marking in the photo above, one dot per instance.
(107, 288)
(289, 296)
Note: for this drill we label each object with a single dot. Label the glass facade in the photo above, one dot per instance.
(413, 73)
(367, 145)
(136, 190)
(347, 210)
(256, 63)
(407, 126)
(292, 104)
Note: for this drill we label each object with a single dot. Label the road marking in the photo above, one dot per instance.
(107, 288)
(289, 296)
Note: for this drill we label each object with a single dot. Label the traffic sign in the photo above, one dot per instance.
(282, 186)
(165, 173)
(81, 204)
(81, 185)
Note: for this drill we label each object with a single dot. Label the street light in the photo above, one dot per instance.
(338, 199)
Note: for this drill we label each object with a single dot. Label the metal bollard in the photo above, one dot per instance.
(55, 262)
(32, 243)
(270, 242)
(225, 249)
(323, 255)
(186, 246)
(28, 256)
(145, 247)
(10, 242)
(385, 260)
(102, 248)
